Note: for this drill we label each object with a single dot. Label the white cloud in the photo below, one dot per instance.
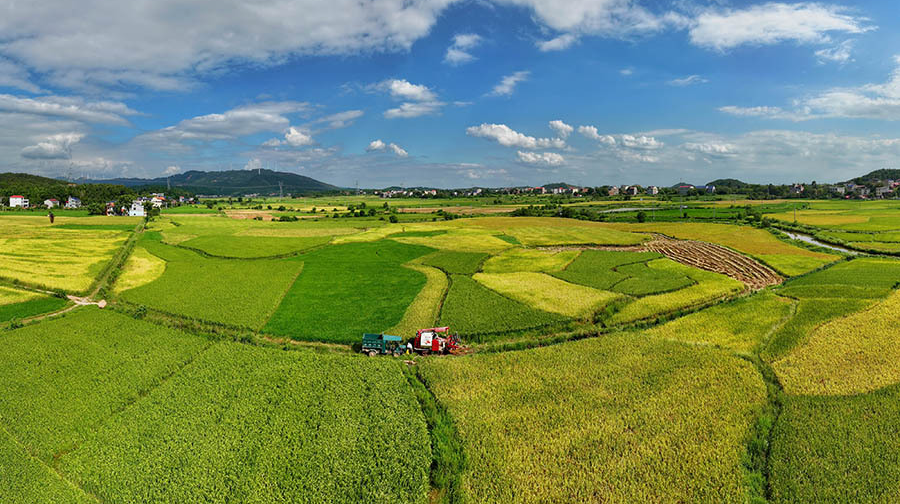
(559, 43)
(409, 110)
(711, 149)
(297, 138)
(541, 158)
(379, 145)
(402, 89)
(68, 108)
(420, 100)
(231, 124)
(507, 137)
(508, 84)
(57, 146)
(641, 142)
(340, 119)
(562, 129)
(458, 52)
(870, 101)
(840, 54)
(687, 81)
(253, 164)
(171, 170)
(607, 18)
(772, 23)
(627, 72)
(592, 133)
(636, 157)
(14, 75)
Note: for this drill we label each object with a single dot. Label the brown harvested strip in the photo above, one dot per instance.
(712, 257)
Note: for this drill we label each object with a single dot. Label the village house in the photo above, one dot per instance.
(73, 202)
(613, 191)
(51, 203)
(881, 192)
(157, 202)
(18, 201)
(653, 190)
(797, 188)
(685, 188)
(136, 210)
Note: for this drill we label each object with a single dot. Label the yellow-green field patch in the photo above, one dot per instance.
(548, 293)
(520, 259)
(8, 295)
(141, 268)
(425, 309)
(850, 355)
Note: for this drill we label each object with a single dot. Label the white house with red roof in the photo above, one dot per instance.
(18, 201)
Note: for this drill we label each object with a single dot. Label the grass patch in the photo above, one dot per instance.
(253, 246)
(621, 418)
(346, 290)
(30, 308)
(598, 269)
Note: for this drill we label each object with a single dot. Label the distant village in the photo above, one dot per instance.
(136, 209)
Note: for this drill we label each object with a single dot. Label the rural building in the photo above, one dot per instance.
(157, 202)
(613, 191)
(710, 189)
(18, 201)
(630, 190)
(881, 192)
(73, 202)
(797, 188)
(51, 203)
(653, 190)
(136, 210)
(684, 188)
(839, 189)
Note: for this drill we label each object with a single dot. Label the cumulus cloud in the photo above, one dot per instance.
(57, 146)
(711, 149)
(562, 129)
(772, 23)
(254, 164)
(607, 18)
(870, 101)
(379, 145)
(419, 99)
(507, 137)
(687, 81)
(171, 170)
(340, 119)
(640, 142)
(592, 133)
(542, 158)
(559, 43)
(458, 52)
(508, 84)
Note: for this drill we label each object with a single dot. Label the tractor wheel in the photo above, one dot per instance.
(371, 353)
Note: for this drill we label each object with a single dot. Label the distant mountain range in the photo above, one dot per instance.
(231, 182)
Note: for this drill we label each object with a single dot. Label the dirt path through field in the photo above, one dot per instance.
(716, 258)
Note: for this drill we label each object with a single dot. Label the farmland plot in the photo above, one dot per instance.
(546, 231)
(741, 325)
(547, 293)
(347, 290)
(424, 311)
(519, 259)
(235, 292)
(474, 310)
(63, 376)
(27, 480)
(453, 262)
(249, 424)
(836, 449)
(253, 246)
(850, 355)
(623, 418)
(54, 257)
(599, 269)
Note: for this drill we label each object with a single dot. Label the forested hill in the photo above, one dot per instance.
(233, 182)
(878, 176)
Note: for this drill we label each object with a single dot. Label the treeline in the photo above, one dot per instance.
(37, 189)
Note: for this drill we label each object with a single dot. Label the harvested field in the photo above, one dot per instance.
(716, 258)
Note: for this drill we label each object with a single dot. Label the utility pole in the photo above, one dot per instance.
(280, 190)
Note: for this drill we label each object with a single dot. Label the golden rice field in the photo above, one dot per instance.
(622, 418)
(759, 243)
(850, 355)
(548, 293)
(8, 295)
(36, 253)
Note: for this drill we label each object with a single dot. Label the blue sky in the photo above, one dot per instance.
(452, 93)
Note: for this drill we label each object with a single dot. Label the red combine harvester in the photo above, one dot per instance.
(428, 341)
